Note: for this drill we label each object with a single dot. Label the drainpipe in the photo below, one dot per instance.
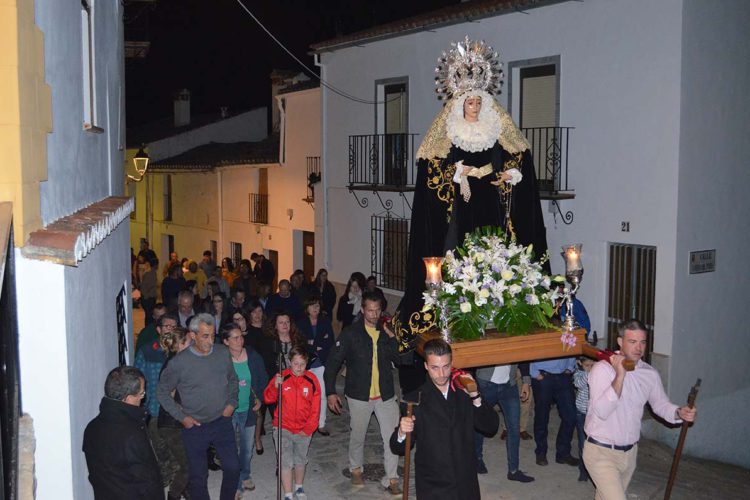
(220, 250)
(324, 160)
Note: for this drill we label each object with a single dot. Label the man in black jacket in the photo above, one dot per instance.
(443, 424)
(121, 462)
(368, 350)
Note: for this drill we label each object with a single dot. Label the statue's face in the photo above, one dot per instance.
(472, 106)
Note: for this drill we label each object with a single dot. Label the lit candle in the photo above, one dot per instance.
(433, 267)
(572, 254)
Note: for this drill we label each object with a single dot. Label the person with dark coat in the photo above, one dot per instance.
(442, 427)
(121, 462)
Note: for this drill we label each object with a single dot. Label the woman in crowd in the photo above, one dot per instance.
(350, 303)
(248, 365)
(326, 292)
(227, 271)
(219, 310)
(173, 342)
(251, 321)
(318, 330)
(254, 318)
(192, 285)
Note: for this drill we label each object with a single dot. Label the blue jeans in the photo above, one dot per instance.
(197, 440)
(505, 395)
(580, 420)
(557, 388)
(246, 441)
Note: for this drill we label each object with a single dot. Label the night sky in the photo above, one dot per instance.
(215, 49)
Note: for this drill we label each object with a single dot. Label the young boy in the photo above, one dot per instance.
(299, 418)
(581, 383)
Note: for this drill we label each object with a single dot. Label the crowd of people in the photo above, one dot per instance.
(208, 369)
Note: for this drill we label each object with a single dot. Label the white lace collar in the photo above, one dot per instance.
(476, 136)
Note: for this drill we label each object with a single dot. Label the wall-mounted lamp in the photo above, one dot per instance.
(290, 213)
(140, 162)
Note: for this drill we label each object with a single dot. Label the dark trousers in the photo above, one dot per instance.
(580, 420)
(148, 309)
(197, 440)
(558, 389)
(505, 395)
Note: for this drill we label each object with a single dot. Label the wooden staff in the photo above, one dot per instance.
(407, 456)
(683, 434)
(603, 355)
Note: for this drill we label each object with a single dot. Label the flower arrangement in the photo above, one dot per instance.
(492, 282)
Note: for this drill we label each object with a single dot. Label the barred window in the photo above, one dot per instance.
(389, 246)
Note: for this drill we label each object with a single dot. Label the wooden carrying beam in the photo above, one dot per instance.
(498, 349)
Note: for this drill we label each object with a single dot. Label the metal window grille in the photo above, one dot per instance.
(389, 238)
(549, 148)
(382, 159)
(10, 380)
(313, 175)
(632, 289)
(235, 250)
(122, 326)
(258, 208)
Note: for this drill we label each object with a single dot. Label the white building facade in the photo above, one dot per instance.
(655, 160)
(72, 277)
(236, 193)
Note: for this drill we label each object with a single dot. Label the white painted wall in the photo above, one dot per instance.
(84, 167)
(620, 82)
(710, 339)
(43, 363)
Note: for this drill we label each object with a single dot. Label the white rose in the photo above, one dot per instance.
(449, 288)
(514, 289)
(484, 293)
(515, 176)
(465, 307)
(506, 274)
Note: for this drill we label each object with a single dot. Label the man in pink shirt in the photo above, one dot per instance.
(613, 421)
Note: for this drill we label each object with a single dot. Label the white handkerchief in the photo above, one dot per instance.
(515, 176)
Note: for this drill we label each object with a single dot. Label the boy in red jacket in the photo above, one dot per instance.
(299, 418)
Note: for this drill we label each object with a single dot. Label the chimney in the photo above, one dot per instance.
(182, 108)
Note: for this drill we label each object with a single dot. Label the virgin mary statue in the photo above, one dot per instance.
(474, 169)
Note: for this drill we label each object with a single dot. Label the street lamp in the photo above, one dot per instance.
(140, 162)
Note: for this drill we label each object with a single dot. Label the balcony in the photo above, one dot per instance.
(258, 208)
(313, 177)
(549, 148)
(382, 162)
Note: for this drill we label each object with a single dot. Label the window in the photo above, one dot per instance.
(534, 102)
(389, 244)
(122, 326)
(632, 289)
(258, 208)
(89, 74)
(235, 250)
(167, 197)
(214, 253)
(393, 122)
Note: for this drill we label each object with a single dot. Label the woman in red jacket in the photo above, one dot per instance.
(299, 418)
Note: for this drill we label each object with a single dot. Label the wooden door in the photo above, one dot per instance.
(308, 255)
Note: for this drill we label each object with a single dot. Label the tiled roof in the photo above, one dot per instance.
(219, 154)
(452, 14)
(163, 128)
(69, 239)
(305, 85)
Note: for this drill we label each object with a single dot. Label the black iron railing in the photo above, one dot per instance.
(313, 176)
(389, 242)
(382, 161)
(549, 147)
(259, 208)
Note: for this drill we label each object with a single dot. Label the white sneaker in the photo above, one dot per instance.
(300, 494)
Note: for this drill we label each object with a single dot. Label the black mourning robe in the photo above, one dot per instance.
(440, 220)
(445, 460)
